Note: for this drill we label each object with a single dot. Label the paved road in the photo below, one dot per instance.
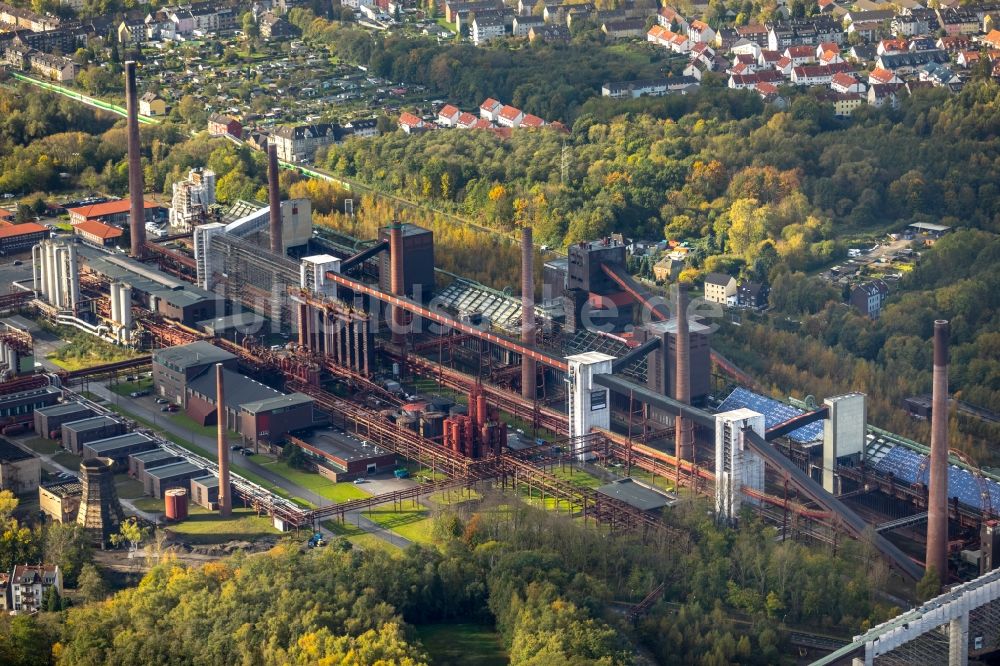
(148, 410)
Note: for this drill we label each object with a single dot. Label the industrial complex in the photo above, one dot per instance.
(260, 328)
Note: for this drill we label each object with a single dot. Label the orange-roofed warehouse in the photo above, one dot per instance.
(110, 212)
(16, 238)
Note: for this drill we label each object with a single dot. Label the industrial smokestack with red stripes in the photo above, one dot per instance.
(137, 209)
(937, 496)
(274, 197)
(225, 501)
(682, 380)
(527, 312)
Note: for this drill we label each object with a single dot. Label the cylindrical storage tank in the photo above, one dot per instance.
(126, 306)
(440, 404)
(482, 414)
(408, 421)
(415, 407)
(74, 278)
(115, 303)
(431, 425)
(456, 436)
(175, 502)
(469, 438)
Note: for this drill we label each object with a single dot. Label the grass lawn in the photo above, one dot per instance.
(423, 473)
(203, 526)
(68, 460)
(317, 483)
(443, 22)
(577, 477)
(462, 645)
(42, 445)
(413, 524)
(150, 504)
(125, 388)
(128, 488)
(454, 496)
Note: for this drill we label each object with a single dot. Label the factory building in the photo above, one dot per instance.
(49, 420)
(75, 434)
(20, 470)
(60, 501)
(233, 326)
(268, 420)
(205, 491)
(661, 372)
(119, 448)
(155, 290)
(418, 269)
(175, 367)
(158, 480)
(17, 238)
(192, 198)
(138, 463)
(257, 412)
(21, 406)
(115, 213)
(341, 457)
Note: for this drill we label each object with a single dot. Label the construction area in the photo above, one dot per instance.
(598, 371)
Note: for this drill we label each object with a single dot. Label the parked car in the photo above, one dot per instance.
(162, 401)
(235, 447)
(172, 408)
(360, 480)
(138, 394)
(246, 451)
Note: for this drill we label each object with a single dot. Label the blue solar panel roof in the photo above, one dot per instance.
(774, 412)
(904, 464)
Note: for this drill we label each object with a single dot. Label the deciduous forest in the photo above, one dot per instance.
(543, 580)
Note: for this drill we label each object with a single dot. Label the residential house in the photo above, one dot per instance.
(830, 57)
(486, 29)
(624, 29)
(914, 22)
(892, 46)
(938, 75)
(750, 294)
(754, 32)
(816, 30)
(364, 128)
(746, 81)
(720, 288)
(667, 269)
(669, 18)
(300, 142)
(151, 104)
(812, 75)
(490, 109)
(648, 87)
(870, 16)
(410, 123)
(53, 67)
(862, 53)
(510, 116)
(843, 82)
(954, 43)
(905, 63)
(801, 55)
(844, 104)
(219, 124)
(959, 21)
(868, 298)
(884, 94)
(532, 121)
(277, 27)
(448, 116)
(523, 24)
(29, 585)
(991, 39)
(549, 33)
(466, 120)
(879, 76)
(699, 31)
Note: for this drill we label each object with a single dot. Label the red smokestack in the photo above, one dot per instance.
(527, 312)
(225, 502)
(274, 197)
(396, 278)
(937, 497)
(682, 379)
(137, 210)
